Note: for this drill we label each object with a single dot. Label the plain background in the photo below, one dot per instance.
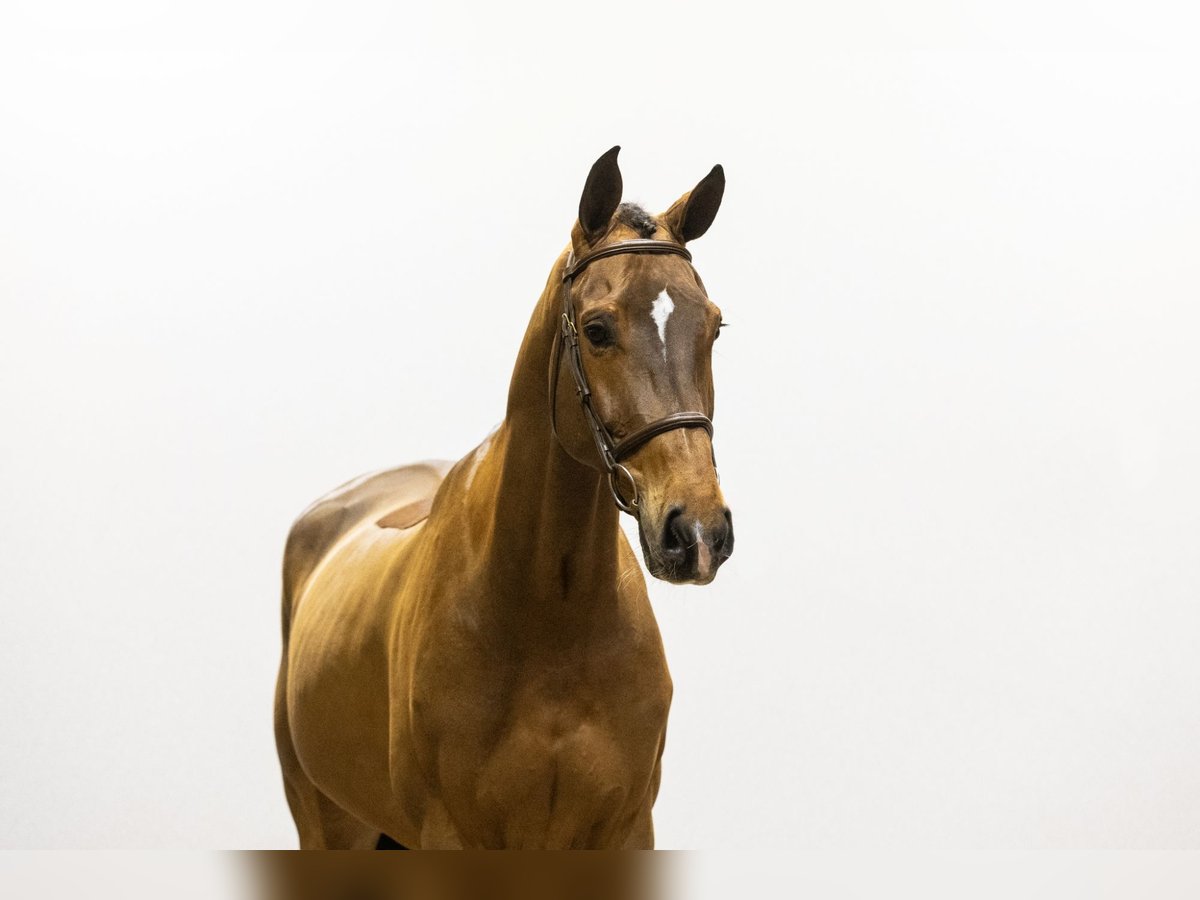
(248, 251)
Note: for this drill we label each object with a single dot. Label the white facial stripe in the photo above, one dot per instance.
(703, 554)
(660, 311)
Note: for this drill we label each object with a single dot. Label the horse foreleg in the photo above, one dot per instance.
(321, 823)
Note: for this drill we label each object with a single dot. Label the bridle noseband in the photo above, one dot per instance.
(611, 451)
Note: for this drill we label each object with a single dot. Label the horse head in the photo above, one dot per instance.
(638, 329)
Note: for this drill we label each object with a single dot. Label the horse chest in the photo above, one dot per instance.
(559, 758)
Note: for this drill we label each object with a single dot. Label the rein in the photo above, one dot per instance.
(611, 451)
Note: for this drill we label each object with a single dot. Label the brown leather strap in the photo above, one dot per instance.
(611, 452)
(632, 246)
(668, 423)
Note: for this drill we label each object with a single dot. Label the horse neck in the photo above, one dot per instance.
(555, 532)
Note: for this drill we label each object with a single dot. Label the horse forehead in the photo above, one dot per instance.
(665, 325)
(640, 289)
(663, 300)
(648, 278)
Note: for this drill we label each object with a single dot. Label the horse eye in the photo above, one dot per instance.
(597, 333)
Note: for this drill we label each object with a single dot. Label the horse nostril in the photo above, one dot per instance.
(723, 536)
(675, 538)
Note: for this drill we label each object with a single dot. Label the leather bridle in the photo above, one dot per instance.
(611, 451)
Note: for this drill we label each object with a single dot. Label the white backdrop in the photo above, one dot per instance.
(252, 250)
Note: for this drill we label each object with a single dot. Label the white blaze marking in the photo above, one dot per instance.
(660, 312)
(703, 554)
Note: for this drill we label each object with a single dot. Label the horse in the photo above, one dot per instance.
(470, 658)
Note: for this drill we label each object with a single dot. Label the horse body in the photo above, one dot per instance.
(441, 691)
(470, 656)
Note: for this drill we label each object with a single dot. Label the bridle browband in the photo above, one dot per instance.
(611, 451)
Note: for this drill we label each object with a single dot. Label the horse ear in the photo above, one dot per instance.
(690, 215)
(601, 196)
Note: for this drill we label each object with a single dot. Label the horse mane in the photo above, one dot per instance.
(637, 218)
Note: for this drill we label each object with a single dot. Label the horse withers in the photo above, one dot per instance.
(470, 658)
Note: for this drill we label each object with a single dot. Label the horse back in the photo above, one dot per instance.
(394, 498)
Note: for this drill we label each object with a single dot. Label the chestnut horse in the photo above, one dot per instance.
(470, 658)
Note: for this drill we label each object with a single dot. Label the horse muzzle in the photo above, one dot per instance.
(685, 547)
